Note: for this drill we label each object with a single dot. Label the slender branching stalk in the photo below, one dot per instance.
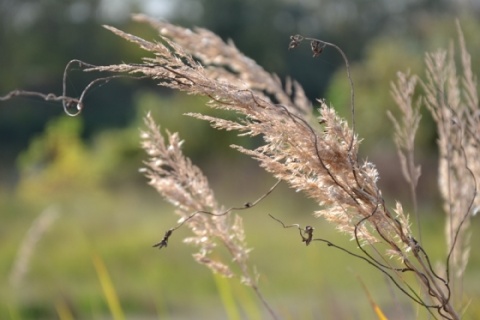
(405, 132)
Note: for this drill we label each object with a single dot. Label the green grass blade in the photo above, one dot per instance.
(63, 311)
(108, 288)
(226, 294)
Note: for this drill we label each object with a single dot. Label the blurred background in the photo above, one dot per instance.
(72, 199)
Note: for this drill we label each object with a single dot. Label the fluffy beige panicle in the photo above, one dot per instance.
(315, 156)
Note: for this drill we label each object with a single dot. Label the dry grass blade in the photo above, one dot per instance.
(22, 261)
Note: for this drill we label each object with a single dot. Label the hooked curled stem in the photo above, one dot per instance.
(71, 106)
(317, 46)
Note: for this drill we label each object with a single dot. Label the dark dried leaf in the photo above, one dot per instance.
(317, 47)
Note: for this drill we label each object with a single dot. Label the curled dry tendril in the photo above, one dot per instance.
(71, 106)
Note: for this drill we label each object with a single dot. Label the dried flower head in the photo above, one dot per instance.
(184, 185)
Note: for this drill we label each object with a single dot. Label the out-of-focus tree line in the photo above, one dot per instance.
(38, 38)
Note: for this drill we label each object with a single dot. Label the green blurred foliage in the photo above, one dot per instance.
(56, 163)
